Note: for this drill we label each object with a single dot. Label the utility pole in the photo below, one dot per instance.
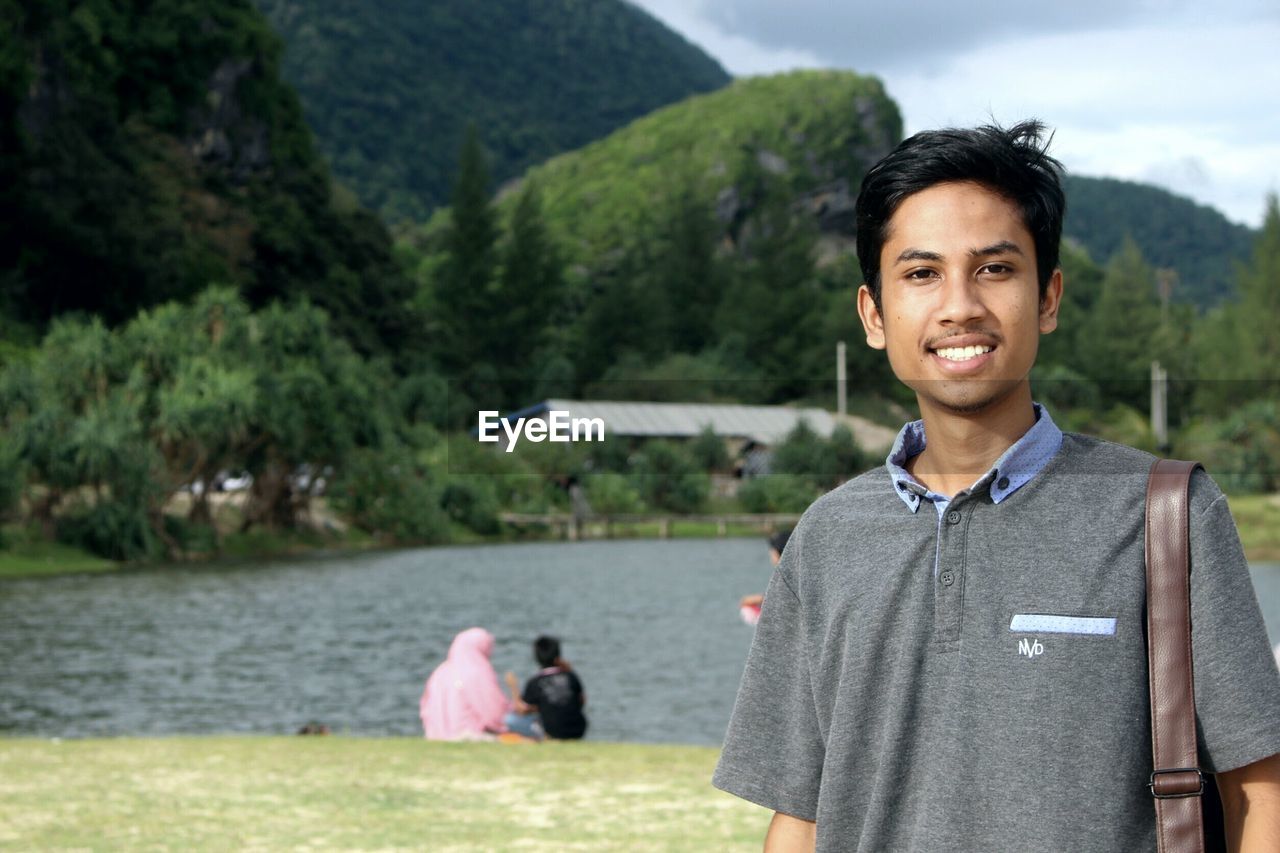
(1166, 281)
(842, 381)
(1160, 405)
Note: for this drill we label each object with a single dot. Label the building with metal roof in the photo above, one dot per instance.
(758, 425)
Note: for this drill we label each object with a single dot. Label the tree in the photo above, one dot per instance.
(530, 290)
(464, 287)
(687, 271)
(1122, 337)
(1238, 344)
(1259, 290)
(318, 402)
(110, 425)
(93, 476)
(708, 450)
(775, 294)
(668, 479)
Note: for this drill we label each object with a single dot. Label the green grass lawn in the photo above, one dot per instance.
(326, 793)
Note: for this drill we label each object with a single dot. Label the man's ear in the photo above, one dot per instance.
(1050, 303)
(872, 322)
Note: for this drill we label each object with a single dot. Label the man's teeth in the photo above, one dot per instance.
(962, 353)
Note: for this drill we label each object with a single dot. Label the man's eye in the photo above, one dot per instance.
(920, 275)
(997, 269)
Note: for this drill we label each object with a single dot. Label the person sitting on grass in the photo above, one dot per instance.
(462, 699)
(551, 705)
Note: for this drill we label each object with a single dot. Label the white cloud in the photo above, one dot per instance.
(1130, 103)
(740, 54)
(1133, 92)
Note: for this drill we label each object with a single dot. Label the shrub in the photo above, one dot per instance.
(668, 479)
(1242, 450)
(472, 502)
(388, 494)
(708, 451)
(610, 493)
(777, 493)
(826, 462)
(109, 529)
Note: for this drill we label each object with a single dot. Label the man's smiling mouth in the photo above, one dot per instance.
(962, 353)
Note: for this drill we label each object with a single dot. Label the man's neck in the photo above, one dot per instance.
(960, 448)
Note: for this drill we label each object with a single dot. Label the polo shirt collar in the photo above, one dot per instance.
(1016, 467)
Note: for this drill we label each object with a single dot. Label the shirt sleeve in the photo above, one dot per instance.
(531, 695)
(773, 751)
(1237, 687)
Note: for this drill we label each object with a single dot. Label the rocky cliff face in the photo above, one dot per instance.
(222, 136)
(157, 152)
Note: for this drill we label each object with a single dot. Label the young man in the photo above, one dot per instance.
(951, 654)
(551, 704)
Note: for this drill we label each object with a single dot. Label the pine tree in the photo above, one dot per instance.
(689, 273)
(1238, 344)
(464, 288)
(528, 296)
(1260, 299)
(1122, 335)
(774, 294)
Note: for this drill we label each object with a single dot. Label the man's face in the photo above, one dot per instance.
(961, 316)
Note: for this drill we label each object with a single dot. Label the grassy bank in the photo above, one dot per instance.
(1257, 516)
(26, 555)
(27, 559)
(276, 793)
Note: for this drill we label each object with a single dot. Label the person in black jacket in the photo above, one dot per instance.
(552, 701)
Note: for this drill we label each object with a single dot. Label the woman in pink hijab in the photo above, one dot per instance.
(462, 699)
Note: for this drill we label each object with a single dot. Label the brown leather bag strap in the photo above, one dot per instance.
(1177, 782)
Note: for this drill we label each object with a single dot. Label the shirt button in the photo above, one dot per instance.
(1003, 483)
(947, 578)
(953, 517)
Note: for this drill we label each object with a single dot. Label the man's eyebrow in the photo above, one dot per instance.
(1003, 247)
(917, 255)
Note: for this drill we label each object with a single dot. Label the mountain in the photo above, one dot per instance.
(1200, 244)
(389, 86)
(801, 131)
(149, 149)
(802, 140)
(696, 242)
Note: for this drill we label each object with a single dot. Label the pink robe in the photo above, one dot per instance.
(462, 699)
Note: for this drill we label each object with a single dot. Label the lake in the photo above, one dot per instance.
(651, 627)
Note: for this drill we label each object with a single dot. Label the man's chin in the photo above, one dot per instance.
(965, 398)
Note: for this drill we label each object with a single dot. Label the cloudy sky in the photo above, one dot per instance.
(1179, 93)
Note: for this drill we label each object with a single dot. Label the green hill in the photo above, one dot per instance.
(390, 86)
(802, 140)
(1174, 232)
(696, 242)
(150, 149)
(803, 131)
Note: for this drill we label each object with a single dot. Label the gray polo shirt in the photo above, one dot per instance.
(1001, 702)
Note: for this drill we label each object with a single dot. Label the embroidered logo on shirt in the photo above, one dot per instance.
(1031, 648)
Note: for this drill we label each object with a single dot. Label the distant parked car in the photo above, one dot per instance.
(234, 483)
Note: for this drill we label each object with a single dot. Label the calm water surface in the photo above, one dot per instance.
(651, 626)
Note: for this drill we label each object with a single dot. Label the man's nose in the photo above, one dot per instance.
(962, 301)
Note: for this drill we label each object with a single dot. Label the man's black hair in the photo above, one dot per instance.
(1011, 162)
(546, 649)
(778, 540)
